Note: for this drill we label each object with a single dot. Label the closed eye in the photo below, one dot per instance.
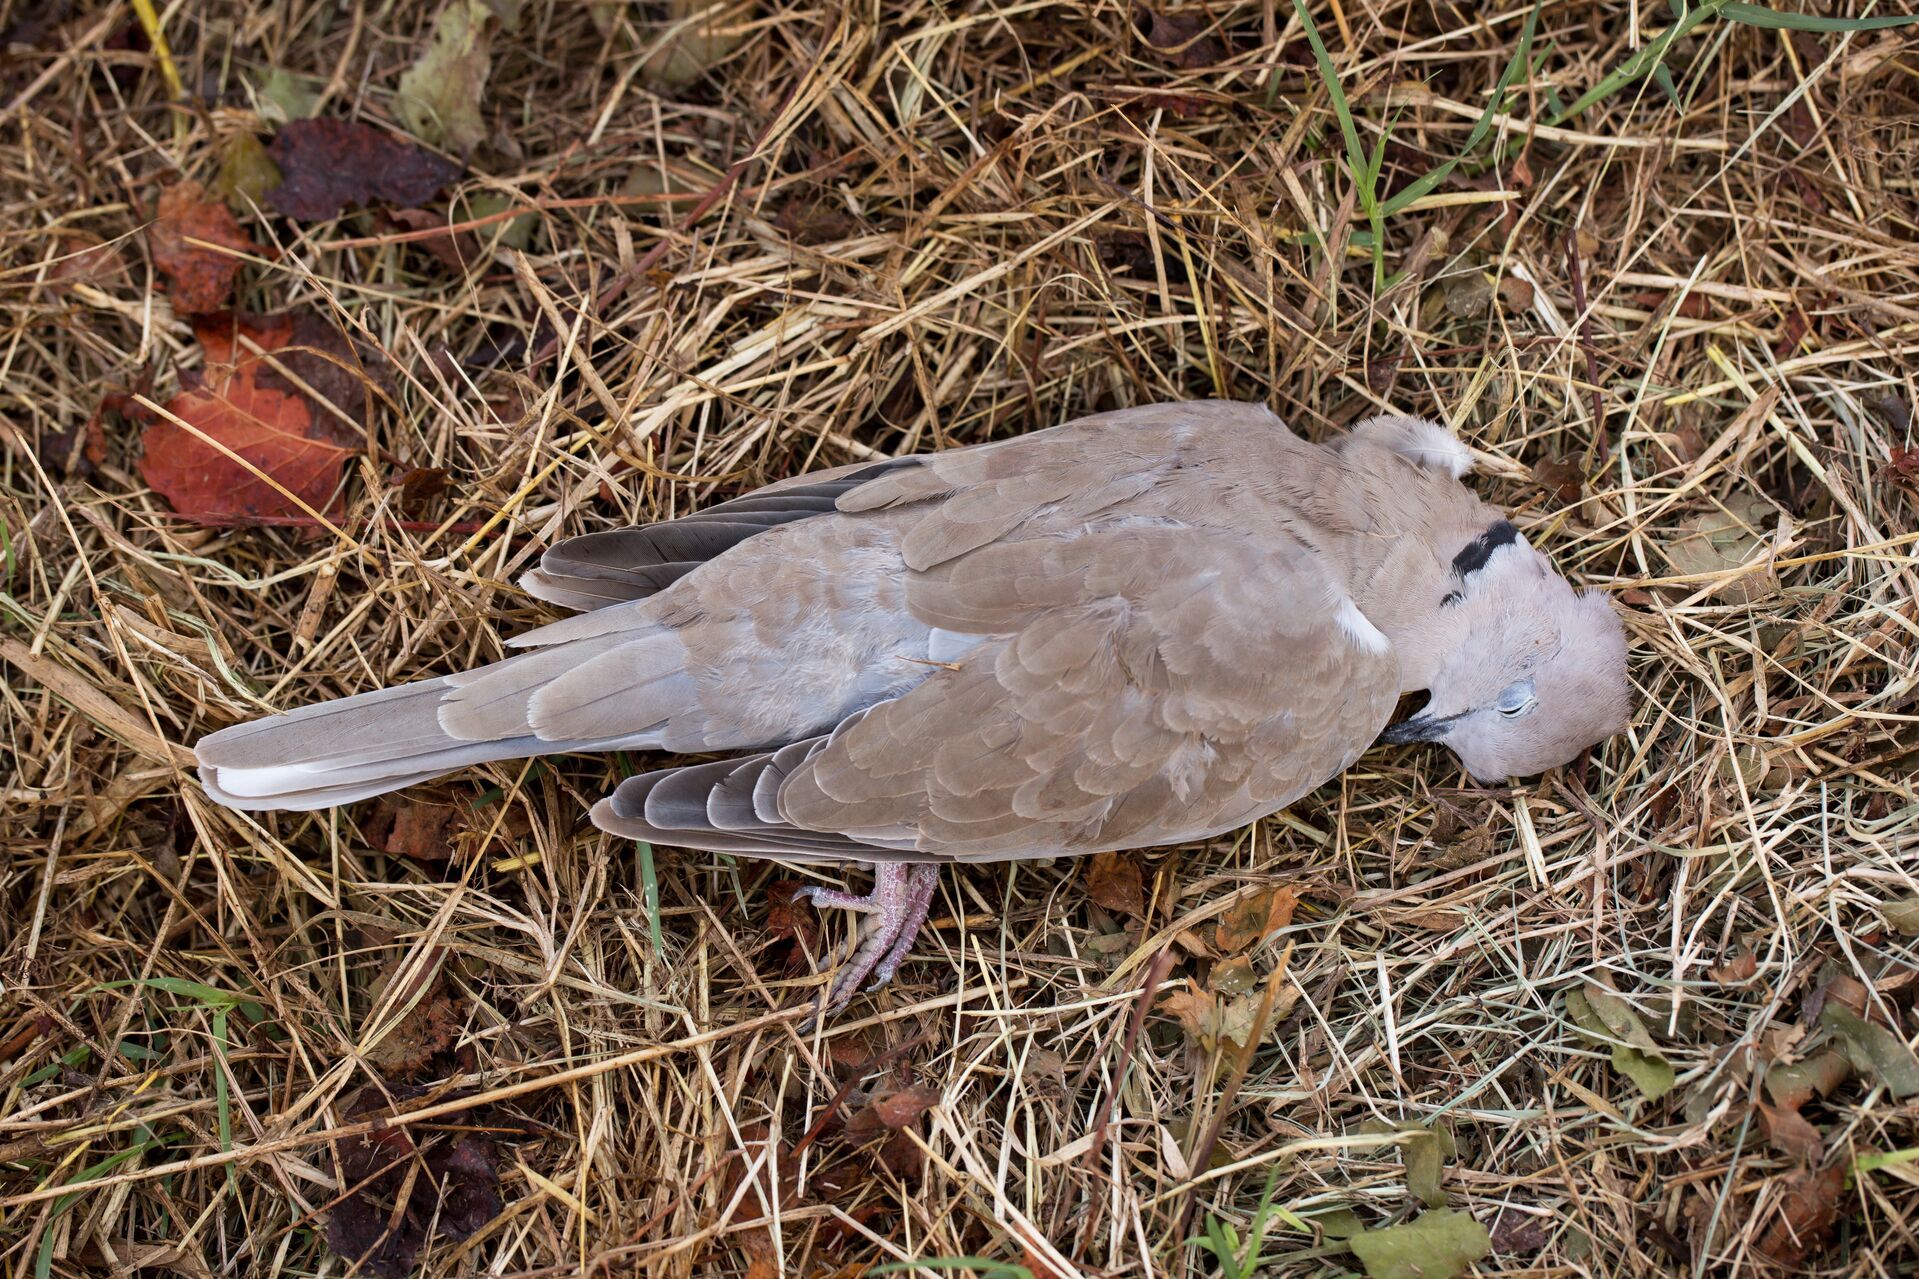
(1517, 699)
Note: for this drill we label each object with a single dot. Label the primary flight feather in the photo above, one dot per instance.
(1142, 627)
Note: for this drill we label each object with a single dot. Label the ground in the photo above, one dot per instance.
(1647, 1015)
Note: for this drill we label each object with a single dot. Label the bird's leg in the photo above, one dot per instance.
(902, 894)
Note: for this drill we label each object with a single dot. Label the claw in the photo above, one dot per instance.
(901, 897)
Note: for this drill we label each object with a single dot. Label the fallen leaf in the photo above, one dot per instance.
(1563, 477)
(1792, 1086)
(1719, 540)
(1180, 39)
(1903, 915)
(1113, 881)
(242, 405)
(285, 467)
(427, 1029)
(1439, 1244)
(287, 96)
(1788, 1132)
(1255, 917)
(1517, 1234)
(890, 1112)
(342, 379)
(83, 259)
(1192, 1008)
(1610, 1019)
(1874, 1050)
(1903, 469)
(181, 238)
(439, 96)
(793, 928)
(454, 1191)
(421, 829)
(696, 45)
(247, 173)
(1808, 1209)
(420, 485)
(1736, 969)
(75, 451)
(330, 164)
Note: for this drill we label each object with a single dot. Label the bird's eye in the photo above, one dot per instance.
(1517, 699)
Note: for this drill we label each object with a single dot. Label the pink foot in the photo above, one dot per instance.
(901, 897)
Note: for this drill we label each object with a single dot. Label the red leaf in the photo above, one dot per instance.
(199, 278)
(269, 429)
(421, 829)
(1113, 881)
(329, 164)
(1903, 470)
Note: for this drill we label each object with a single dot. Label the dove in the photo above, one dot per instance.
(1142, 627)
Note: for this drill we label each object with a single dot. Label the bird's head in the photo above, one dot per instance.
(1538, 673)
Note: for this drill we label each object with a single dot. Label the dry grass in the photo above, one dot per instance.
(952, 224)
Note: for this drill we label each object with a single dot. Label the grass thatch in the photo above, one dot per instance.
(932, 225)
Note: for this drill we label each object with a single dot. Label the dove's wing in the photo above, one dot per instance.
(1143, 684)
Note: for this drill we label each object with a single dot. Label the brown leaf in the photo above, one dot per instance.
(199, 277)
(420, 485)
(422, 829)
(1255, 917)
(1113, 881)
(1192, 1008)
(1517, 1234)
(1792, 1086)
(455, 1192)
(1903, 469)
(330, 164)
(890, 1112)
(456, 251)
(1788, 1132)
(1737, 969)
(83, 259)
(1562, 476)
(793, 928)
(427, 1030)
(343, 380)
(1807, 1210)
(814, 221)
(902, 1157)
(1180, 38)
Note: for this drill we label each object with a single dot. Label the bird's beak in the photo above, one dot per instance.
(1420, 728)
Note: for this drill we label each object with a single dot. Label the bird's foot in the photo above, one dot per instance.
(901, 897)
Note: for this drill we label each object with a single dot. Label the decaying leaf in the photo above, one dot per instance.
(698, 38)
(1874, 1050)
(1903, 915)
(427, 1029)
(1439, 1244)
(247, 172)
(245, 450)
(248, 444)
(1719, 540)
(1255, 917)
(83, 259)
(890, 1112)
(196, 243)
(1425, 1150)
(1903, 468)
(1517, 1234)
(420, 829)
(285, 96)
(1807, 1211)
(1180, 38)
(1607, 1017)
(342, 379)
(439, 96)
(1738, 967)
(330, 164)
(1789, 1132)
(453, 1191)
(1113, 881)
(1563, 477)
(1792, 1086)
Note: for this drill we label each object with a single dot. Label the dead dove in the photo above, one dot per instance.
(1143, 627)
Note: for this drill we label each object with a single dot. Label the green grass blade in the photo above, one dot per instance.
(650, 891)
(1521, 59)
(1755, 15)
(1342, 111)
(1641, 64)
